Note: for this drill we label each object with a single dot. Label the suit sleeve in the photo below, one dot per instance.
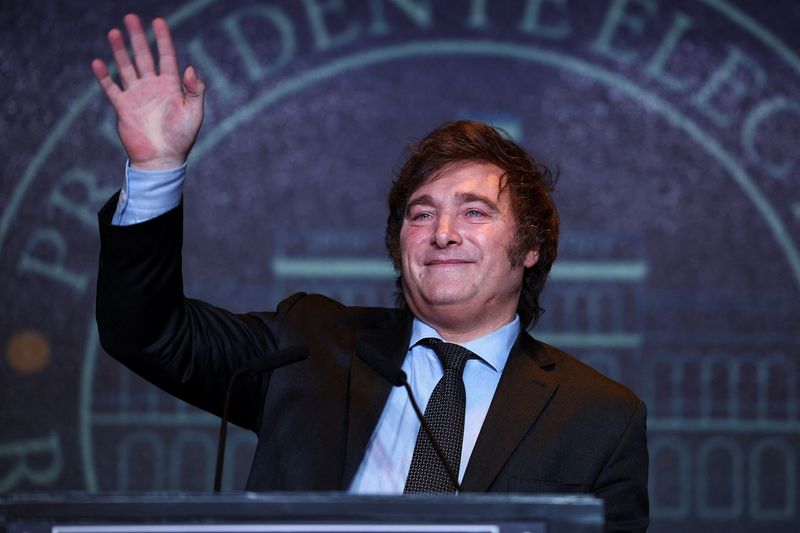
(186, 347)
(623, 481)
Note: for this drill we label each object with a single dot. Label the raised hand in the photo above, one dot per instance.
(159, 113)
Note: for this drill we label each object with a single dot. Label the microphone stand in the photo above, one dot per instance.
(274, 360)
(223, 429)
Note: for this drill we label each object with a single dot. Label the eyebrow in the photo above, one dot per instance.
(467, 197)
(461, 197)
(425, 200)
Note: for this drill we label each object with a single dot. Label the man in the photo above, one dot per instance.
(472, 232)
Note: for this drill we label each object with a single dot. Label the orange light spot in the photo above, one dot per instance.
(28, 352)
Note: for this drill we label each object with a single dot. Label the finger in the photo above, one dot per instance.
(195, 88)
(127, 72)
(141, 48)
(167, 59)
(100, 71)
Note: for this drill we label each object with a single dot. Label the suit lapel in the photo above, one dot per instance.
(368, 390)
(524, 390)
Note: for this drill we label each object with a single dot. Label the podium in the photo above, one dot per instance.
(299, 513)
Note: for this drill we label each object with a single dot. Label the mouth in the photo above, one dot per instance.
(446, 262)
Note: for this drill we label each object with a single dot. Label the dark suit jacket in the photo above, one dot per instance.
(554, 425)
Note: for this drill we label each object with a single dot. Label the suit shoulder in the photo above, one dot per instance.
(576, 374)
(319, 309)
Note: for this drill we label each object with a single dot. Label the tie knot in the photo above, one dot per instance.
(452, 356)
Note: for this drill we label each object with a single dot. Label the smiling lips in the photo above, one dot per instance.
(446, 262)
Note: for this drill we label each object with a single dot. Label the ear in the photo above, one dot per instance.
(531, 258)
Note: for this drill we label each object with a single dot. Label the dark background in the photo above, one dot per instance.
(678, 272)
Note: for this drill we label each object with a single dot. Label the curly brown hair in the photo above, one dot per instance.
(529, 182)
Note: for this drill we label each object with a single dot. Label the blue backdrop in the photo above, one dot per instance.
(674, 125)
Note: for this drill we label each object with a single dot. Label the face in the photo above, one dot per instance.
(455, 240)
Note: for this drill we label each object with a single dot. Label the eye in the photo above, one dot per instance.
(422, 216)
(474, 213)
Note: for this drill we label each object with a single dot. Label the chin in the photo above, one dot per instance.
(446, 298)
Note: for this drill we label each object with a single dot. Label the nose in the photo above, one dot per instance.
(446, 232)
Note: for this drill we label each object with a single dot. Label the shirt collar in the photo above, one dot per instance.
(493, 348)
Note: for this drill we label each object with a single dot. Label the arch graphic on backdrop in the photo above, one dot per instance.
(528, 53)
(728, 11)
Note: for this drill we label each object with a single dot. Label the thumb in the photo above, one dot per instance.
(195, 88)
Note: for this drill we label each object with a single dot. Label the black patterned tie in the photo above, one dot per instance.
(445, 412)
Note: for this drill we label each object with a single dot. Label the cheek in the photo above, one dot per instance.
(488, 243)
(403, 242)
(406, 248)
(410, 239)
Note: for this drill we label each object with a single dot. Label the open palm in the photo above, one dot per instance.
(158, 120)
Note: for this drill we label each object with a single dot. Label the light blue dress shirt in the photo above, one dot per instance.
(385, 465)
(148, 194)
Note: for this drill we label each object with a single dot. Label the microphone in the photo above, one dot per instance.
(274, 360)
(395, 375)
